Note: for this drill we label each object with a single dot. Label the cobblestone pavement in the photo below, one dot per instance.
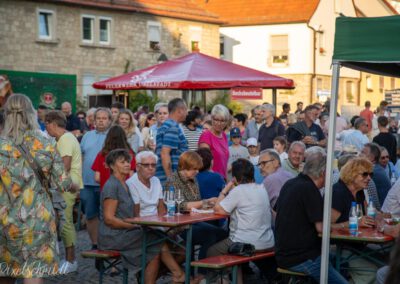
(87, 273)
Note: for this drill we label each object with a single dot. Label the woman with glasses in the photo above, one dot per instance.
(354, 177)
(215, 139)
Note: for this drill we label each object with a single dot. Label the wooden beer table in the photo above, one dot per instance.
(171, 222)
(357, 244)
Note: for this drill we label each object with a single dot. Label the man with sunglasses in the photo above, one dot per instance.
(269, 164)
(382, 183)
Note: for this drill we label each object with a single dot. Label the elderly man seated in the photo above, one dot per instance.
(145, 188)
(294, 162)
(275, 176)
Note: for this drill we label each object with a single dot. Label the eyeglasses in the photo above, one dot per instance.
(146, 166)
(263, 163)
(221, 121)
(365, 174)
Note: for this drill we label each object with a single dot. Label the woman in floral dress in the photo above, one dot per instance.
(28, 234)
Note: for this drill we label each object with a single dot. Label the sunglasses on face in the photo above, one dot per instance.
(146, 166)
(365, 174)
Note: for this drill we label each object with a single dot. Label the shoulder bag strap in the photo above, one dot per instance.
(35, 167)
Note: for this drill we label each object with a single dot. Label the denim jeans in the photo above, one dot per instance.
(313, 269)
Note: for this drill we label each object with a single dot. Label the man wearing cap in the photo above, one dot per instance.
(236, 150)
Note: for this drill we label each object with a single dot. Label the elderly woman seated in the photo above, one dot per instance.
(247, 203)
(204, 234)
(354, 177)
(145, 187)
(115, 233)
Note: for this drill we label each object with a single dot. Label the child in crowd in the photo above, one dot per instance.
(253, 150)
(236, 151)
(280, 145)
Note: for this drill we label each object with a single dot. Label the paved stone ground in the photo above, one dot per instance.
(87, 273)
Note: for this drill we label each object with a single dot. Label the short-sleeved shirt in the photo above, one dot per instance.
(219, 150)
(267, 134)
(99, 165)
(388, 141)
(368, 116)
(68, 145)
(273, 184)
(210, 184)
(237, 152)
(170, 135)
(342, 199)
(299, 207)
(315, 132)
(248, 205)
(392, 200)
(192, 137)
(147, 198)
(91, 144)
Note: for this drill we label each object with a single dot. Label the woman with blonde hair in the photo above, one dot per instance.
(28, 238)
(126, 120)
(354, 177)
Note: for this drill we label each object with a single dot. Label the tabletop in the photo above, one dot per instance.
(175, 221)
(370, 235)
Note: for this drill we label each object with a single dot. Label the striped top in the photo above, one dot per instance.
(192, 137)
(170, 135)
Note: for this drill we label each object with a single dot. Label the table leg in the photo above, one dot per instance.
(144, 250)
(188, 257)
(338, 256)
(234, 274)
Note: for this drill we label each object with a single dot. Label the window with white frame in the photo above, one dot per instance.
(154, 35)
(368, 81)
(88, 28)
(105, 30)
(222, 47)
(195, 38)
(350, 91)
(45, 24)
(279, 45)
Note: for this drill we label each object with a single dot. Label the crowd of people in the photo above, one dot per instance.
(266, 172)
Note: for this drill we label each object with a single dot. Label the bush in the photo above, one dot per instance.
(224, 98)
(138, 98)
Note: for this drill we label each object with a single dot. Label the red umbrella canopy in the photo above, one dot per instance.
(195, 71)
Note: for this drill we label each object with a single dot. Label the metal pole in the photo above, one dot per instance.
(328, 181)
(274, 99)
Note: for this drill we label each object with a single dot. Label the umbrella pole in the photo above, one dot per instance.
(274, 99)
(328, 180)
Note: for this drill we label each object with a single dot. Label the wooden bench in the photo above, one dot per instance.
(222, 262)
(105, 260)
(294, 276)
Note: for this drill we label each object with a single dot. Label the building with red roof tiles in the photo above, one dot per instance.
(97, 39)
(294, 39)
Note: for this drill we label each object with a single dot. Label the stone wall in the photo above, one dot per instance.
(21, 50)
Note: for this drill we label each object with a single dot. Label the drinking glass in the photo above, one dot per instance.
(359, 212)
(179, 199)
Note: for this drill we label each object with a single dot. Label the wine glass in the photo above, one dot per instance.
(359, 211)
(179, 199)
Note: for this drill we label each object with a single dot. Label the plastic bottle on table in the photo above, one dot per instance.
(353, 220)
(171, 201)
(371, 210)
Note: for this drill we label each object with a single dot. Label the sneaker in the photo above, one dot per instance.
(68, 267)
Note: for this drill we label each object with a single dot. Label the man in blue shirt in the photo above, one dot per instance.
(358, 137)
(372, 152)
(91, 144)
(170, 140)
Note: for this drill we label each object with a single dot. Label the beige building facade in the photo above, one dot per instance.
(96, 41)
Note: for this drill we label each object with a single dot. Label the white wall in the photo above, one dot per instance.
(250, 46)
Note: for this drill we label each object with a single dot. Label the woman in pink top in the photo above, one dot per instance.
(215, 139)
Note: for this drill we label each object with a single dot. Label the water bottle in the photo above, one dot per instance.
(353, 220)
(371, 210)
(393, 179)
(171, 202)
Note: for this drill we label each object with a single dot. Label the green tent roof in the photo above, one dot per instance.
(369, 44)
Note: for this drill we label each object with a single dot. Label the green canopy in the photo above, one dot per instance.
(369, 44)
